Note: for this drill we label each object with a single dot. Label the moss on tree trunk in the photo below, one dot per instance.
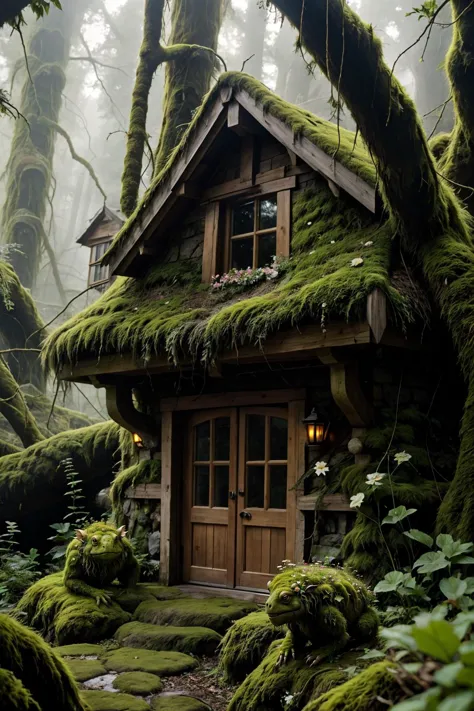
(14, 408)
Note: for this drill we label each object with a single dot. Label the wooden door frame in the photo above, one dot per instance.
(193, 420)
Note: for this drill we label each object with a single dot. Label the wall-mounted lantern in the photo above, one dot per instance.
(137, 441)
(316, 429)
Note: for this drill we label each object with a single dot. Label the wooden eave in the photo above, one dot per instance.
(100, 215)
(178, 188)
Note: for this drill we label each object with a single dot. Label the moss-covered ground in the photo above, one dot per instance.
(178, 703)
(79, 650)
(128, 659)
(198, 641)
(138, 683)
(107, 701)
(84, 669)
(215, 613)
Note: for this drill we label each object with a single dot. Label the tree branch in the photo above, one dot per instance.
(98, 63)
(14, 408)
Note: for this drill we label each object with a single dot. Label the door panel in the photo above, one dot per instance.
(210, 512)
(263, 495)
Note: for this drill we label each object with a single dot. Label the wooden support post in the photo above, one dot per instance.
(211, 231)
(346, 390)
(377, 313)
(296, 454)
(119, 403)
(170, 496)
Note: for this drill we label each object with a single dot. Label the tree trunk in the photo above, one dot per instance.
(187, 80)
(14, 408)
(29, 167)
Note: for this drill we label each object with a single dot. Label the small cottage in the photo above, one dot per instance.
(264, 340)
(98, 237)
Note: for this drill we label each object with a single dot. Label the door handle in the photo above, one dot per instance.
(245, 514)
(241, 492)
(232, 495)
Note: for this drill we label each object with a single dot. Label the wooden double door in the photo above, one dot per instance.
(237, 498)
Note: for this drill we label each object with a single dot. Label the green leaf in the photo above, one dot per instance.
(398, 636)
(447, 675)
(466, 652)
(437, 640)
(373, 654)
(464, 560)
(419, 536)
(390, 582)
(462, 623)
(465, 677)
(421, 702)
(444, 539)
(398, 514)
(453, 588)
(430, 562)
(459, 701)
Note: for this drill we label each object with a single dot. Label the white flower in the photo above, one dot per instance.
(309, 224)
(368, 244)
(356, 501)
(357, 261)
(321, 468)
(333, 241)
(374, 479)
(312, 251)
(401, 457)
(323, 305)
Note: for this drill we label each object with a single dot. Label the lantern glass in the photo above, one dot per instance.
(319, 432)
(137, 440)
(315, 429)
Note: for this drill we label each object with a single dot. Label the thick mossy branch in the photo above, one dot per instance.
(187, 81)
(146, 472)
(14, 408)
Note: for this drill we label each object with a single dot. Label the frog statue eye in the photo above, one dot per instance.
(285, 597)
(95, 540)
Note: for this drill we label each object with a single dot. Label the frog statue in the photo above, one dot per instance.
(325, 610)
(96, 557)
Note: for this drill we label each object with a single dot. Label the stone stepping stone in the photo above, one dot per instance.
(129, 659)
(161, 592)
(217, 613)
(199, 641)
(107, 701)
(101, 683)
(178, 703)
(138, 683)
(85, 669)
(79, 650)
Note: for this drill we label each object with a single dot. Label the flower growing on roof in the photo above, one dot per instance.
(401, 457)
(374, 479)
(356, 262)
(321, 468)
(356, 500)
(368, 244)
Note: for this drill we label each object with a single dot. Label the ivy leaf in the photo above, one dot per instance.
(391, 582)
(464, 560)
(465, 677)
(437, 640)
(466, 652)
(430, 562)
(373, 654)
(453, 588)
(462, 623)
(426, 10)
(447, 675)
(460, 701)
(398, 636)
(398, 514)
(419, 536)
(422, 702)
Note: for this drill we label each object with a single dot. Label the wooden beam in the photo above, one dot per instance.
(235, 187)
(334, 188)
(231, 399)
(247, 159)
(348, 395)
(283, 235)
(240, 121)
(377, 313)
(189, 189)
(144, 491)
(170, 497)
(331, 502)
(119, 403)
(211, 232)
(296, 469)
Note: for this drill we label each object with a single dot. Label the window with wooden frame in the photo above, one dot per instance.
(98, 273)
(246, 233)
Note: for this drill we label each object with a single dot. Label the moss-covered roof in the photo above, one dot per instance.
(168, 310)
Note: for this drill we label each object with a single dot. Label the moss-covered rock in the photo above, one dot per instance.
(110, 701)
(13, 695)
(373, 688)
(85, 669)
(162, 663)
(245, 644)
(79, 650)
(215, 613)
(63, 617)
(130, 598)
(32, 661)
(199, 641)
(138, 683)
(178, 703)
(161, 592)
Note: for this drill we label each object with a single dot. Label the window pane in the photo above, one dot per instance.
(201, 485)
(268, 213)
(278, 438)
(221, 485)
(278, 486)
(97, 272)
(255, 438)
(242, 253)
(255, 486)
(242, 219)
(266, 249)
(222, 439)
(203, 442)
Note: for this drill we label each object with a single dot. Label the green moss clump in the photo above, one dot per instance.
(146, 472)
(178, 703)
(65, 618)
(128, 659)
(161, 592)
(109, 701)
(79, 650)
(245, 644)
(372, 688)
(198, 641)
(215, 613)
(130, 598)
(85, 669)
(32, 661)
(138, 683)
(13, 695)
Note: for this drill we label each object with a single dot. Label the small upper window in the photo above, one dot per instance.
(98, 273)
(253, 233)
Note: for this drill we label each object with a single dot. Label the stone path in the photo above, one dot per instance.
(165, 641)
